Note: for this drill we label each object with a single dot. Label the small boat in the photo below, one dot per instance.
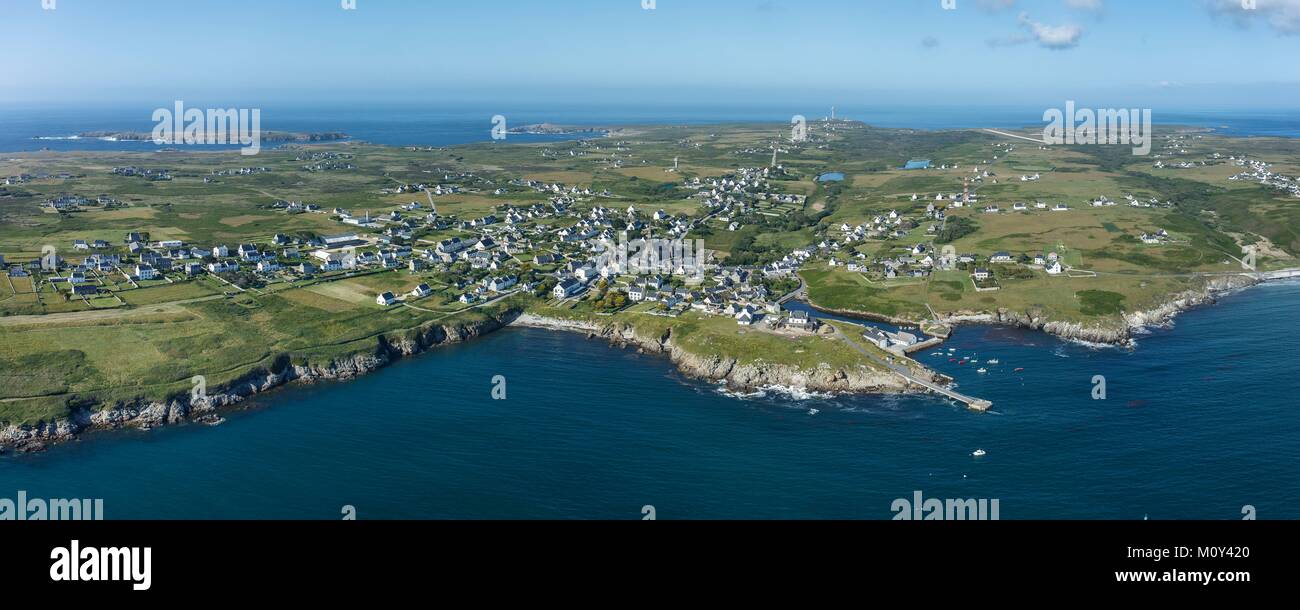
(995, 361)
(982, 370)
(980, 453)
(952, 360)
(1020, 370)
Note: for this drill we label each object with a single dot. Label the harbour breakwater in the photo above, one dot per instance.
(145, 414)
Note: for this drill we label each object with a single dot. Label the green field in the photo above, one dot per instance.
(146, 342)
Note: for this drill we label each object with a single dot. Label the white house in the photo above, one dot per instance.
(421, 291)
(877, 337)
(501, 284)
(387, 299)
(567, 288)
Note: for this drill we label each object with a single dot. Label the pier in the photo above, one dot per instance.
(975, 404)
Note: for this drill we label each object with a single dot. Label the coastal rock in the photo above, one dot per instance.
(737, 376)
(144, 414)
(1122, 329)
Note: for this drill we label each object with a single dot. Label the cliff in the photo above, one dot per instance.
(1122, 329)
(1118, 330)
(736, 375)
(145, 414)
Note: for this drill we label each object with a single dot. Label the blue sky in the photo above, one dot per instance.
(984, 51)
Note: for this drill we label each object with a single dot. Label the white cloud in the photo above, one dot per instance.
(1281, 15)
(1052, 36)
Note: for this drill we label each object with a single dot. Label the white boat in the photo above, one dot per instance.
(982, 371)
(980, 453)
(995, 361)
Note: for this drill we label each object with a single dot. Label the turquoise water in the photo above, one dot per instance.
(1199, 420)
(831, 177)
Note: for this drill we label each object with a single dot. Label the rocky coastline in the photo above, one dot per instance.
(737, 376)
(147, 414)
(1121, 332)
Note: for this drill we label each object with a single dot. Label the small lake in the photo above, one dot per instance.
(831, 177)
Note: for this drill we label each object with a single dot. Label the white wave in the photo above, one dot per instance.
(738, 394)
(1099, 346)
(799, 394)
(791, 393)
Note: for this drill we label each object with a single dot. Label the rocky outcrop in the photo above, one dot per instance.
(146, 414)
(1121, 330)
(1117, 331)
(736, 375)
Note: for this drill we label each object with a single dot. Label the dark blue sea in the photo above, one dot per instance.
(1199, 420)
(55, 126)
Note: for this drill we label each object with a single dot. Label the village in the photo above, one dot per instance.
(568, 250)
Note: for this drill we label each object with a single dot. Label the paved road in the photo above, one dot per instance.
(799, 293)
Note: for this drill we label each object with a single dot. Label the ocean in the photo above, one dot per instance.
(26, 128)
(1198, 421)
